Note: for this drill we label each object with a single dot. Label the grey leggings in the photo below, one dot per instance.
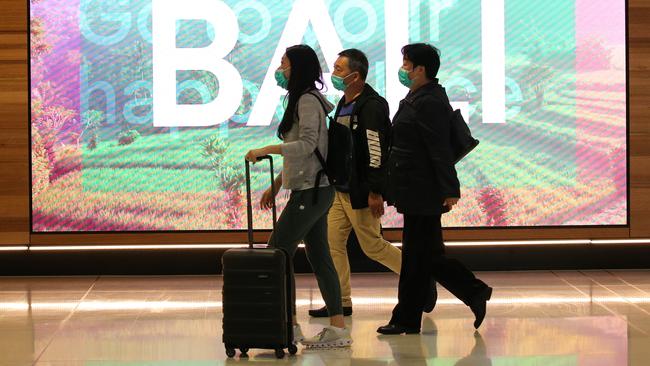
(304, 220)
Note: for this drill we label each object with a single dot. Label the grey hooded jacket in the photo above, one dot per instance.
(309, 131)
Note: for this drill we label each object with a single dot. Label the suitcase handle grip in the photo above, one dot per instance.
(249, 200)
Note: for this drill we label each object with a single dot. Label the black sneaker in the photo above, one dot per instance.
(322, 312)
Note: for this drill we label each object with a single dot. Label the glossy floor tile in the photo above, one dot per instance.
(534, 318)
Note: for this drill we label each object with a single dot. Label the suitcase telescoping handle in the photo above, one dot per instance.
(249, 203)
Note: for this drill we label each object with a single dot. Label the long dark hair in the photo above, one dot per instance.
(305, 74)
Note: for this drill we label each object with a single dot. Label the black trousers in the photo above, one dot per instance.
(423, 257)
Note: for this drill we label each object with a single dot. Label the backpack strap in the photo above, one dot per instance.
(322, 105)
(321, 159)
(320, 173)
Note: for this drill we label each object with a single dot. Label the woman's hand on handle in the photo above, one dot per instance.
(253, 155)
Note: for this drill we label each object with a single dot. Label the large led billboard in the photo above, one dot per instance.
(142, 110)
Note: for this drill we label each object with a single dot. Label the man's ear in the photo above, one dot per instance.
(358, 77)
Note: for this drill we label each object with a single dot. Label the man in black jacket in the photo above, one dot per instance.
(423, 185)
(359, 200)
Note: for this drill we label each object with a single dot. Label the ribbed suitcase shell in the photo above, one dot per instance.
(256, 307)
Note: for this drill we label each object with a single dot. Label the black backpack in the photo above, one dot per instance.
(339, 157)
(462, 142)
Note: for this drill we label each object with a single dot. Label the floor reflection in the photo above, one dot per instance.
(536, 318)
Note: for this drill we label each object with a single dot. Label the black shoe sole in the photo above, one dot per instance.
(406, 331)
(324, 314)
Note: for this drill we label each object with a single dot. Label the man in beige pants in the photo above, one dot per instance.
(360, 178)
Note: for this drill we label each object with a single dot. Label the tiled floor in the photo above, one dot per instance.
(534, 318)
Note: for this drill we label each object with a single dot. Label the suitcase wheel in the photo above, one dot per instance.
(293, 349)
(279, 353)
(230, 352)
(243, 351)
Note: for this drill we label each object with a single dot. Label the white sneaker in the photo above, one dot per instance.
(297, 334)
(329, 337)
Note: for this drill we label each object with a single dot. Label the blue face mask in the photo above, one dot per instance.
(339, 82)
(282, 80)
(404, 77)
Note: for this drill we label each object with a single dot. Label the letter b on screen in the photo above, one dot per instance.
(168, 59)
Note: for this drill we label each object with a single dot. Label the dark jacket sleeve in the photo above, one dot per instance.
(374, 117)
(433, 126)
